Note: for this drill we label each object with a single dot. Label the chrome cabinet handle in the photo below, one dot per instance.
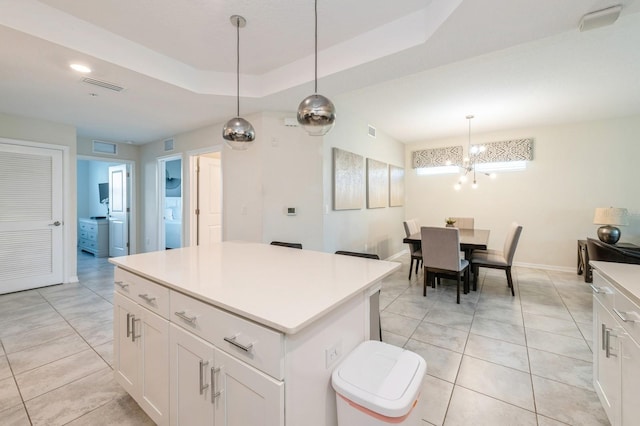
(133, 328)
(203, 386)
(608, 336)
(600, 290)
(128, 325)
(604, 330)
(214, 393)
(233, 341)
(146, 297)
(623, 317)
(121, 284)
(189, 319)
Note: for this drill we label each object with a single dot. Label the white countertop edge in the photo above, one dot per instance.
(248, 315)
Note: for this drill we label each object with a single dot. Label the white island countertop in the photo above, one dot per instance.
(626, 277)
(280, 287)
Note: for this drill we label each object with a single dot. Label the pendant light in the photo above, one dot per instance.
(238, 133)
(316, 113)
(469, 164)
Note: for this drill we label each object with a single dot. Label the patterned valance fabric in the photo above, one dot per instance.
(495, 152)
(437, 157)
(513, 150)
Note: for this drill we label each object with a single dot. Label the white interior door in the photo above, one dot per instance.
(31, 195)
(118, 211)
(209, 201)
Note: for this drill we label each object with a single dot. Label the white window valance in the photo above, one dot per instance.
(504, 151)
(495, 152)
(437, 157)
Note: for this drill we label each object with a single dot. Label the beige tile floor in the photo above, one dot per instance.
(492, 360)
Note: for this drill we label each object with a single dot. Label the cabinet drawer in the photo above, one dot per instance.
(88, 244)
(142, 291)
(83, 235)
(84, 226)
(628, 314)
(252, 343)
(604, 291)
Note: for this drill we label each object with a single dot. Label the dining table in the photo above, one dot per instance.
(470, 240)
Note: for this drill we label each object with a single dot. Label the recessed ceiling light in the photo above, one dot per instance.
(81, 68)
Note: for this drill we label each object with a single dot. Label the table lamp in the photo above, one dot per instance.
(609, 217)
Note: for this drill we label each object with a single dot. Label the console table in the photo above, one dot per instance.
(583, 258)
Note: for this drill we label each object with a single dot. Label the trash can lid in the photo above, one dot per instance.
(385, 379)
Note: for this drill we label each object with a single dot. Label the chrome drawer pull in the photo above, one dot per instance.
(147, 298)
(232, 340)
(600, 290)
(203, 386)
(182, 315)
(121, 284)
(214, 393)
(625, 317)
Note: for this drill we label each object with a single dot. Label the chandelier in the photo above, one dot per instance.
(468, 168)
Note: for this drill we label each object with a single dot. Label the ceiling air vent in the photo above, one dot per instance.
(102, 147)
(372, 131)
(103, 84)
(168, 144)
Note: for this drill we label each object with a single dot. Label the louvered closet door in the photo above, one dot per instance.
(31, 249)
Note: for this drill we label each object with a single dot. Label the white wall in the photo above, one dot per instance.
(576, 168)
(281, 169)
(90, 174)
(27, 129)
(377, 231)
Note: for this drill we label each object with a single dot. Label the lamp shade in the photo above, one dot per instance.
(611, 216)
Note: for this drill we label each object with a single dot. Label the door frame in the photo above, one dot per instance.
(69, 233)
(191, 237)
(131, 182)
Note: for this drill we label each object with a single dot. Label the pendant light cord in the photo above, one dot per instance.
(316, 47)
(238, 66)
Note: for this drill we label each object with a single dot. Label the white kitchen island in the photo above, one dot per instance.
(239, 333)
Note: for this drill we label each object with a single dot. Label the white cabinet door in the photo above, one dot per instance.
(153, 331)
(630, 364)
(126, 351)
(247, 396)
(191, 359)
(141, 361)
(606, 372)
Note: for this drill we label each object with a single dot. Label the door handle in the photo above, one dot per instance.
(56, 223)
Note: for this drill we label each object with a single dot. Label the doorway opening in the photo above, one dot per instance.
(106, 219)
(206, 201)
(170, 203)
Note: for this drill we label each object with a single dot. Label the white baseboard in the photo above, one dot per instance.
(73, 279)
(546, 267)
(397, 255)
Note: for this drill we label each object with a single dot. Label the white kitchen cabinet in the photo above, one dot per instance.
(141, 358)
(210, 387)
(616, 352)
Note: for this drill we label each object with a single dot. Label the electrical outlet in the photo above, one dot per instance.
(332, 353)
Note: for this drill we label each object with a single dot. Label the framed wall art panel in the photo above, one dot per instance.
(348, 180)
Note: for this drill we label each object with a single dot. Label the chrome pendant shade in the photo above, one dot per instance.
(238, 133)
(316, 113)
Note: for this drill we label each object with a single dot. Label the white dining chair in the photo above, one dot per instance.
(441, 256)
(463, 222)
(498, 259)
(411, 227)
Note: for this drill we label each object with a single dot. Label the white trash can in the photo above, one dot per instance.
(378, 384)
